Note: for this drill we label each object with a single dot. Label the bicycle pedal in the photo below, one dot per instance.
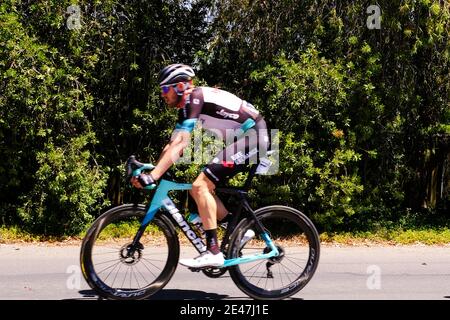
(200, 269)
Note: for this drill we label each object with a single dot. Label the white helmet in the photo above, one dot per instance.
(175, 73)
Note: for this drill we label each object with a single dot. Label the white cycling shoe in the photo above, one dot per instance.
(206, 259)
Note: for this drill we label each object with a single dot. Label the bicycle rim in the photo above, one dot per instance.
(114, 274)
(296, 239)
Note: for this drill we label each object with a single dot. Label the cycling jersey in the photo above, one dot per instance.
(217, 110)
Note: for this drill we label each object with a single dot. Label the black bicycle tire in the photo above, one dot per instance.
(99, 224)
(301, 281)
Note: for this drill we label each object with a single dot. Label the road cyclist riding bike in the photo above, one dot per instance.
(271, 253)
(218, 111)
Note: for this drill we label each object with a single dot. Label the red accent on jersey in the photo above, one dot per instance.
(228, 164)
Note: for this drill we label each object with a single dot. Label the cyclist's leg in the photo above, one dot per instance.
(230, 161)
(221, 211)
(202, 192)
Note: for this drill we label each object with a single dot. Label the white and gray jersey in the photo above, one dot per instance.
(217, 110)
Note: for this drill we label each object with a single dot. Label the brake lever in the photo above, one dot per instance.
(134, 168)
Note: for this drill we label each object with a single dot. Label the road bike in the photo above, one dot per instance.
(132, 251)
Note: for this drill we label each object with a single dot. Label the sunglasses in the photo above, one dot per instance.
(165, 89)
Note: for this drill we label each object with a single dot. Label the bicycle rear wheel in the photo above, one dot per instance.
(108, 267)
(279, 277)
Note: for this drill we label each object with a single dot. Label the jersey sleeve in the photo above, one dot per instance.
(188, 116)
(186, 125)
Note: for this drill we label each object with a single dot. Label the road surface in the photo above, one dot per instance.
(51, 272)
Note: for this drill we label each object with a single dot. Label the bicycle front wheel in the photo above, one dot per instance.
(107, 264)
(279, 277)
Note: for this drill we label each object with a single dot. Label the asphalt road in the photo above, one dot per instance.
(40, 272)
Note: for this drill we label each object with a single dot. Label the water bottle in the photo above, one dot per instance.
(196, 220)
(249, 234)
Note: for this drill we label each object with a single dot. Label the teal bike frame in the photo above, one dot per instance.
(161, 200)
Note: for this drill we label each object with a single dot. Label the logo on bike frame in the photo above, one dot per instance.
(184, 225)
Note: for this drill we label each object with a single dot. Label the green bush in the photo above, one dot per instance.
(318, 170)
(50, 182)
(66, 190)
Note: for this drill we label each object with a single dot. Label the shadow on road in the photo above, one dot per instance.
(168, 294)
(177, 294)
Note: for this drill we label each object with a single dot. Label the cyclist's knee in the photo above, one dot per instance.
(201, 186)
(198, 190)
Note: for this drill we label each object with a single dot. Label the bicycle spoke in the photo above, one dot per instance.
(123, 282)
(148, 268)
(108, 252)
(131, 277)
(111, 271)
(260, 277)
(294, 235)
(281, 276)
(155, 260)
(139, 272)
(150, 261)
(250, 268)
(290, 259)
(103, 262)
(113, 249)
(286, 273)
(267, 279)
(120, 266)
(259, 264)
(108, 267)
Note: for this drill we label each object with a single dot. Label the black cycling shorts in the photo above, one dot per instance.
(240, 155)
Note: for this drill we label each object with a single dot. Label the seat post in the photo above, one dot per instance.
(251, 174)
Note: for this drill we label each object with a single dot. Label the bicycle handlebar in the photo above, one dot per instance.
(135, 168)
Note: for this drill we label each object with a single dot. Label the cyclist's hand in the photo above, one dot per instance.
(142, 180)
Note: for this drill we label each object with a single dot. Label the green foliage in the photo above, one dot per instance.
(76, 102)
(49, 180)
(364, 114)
(391, 88)
(436, 236)
(66, 189)
(317, 163)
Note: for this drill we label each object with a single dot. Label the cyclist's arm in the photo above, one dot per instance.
(182, 137)
(171, 153)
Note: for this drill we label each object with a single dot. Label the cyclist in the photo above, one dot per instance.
(219, 112)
